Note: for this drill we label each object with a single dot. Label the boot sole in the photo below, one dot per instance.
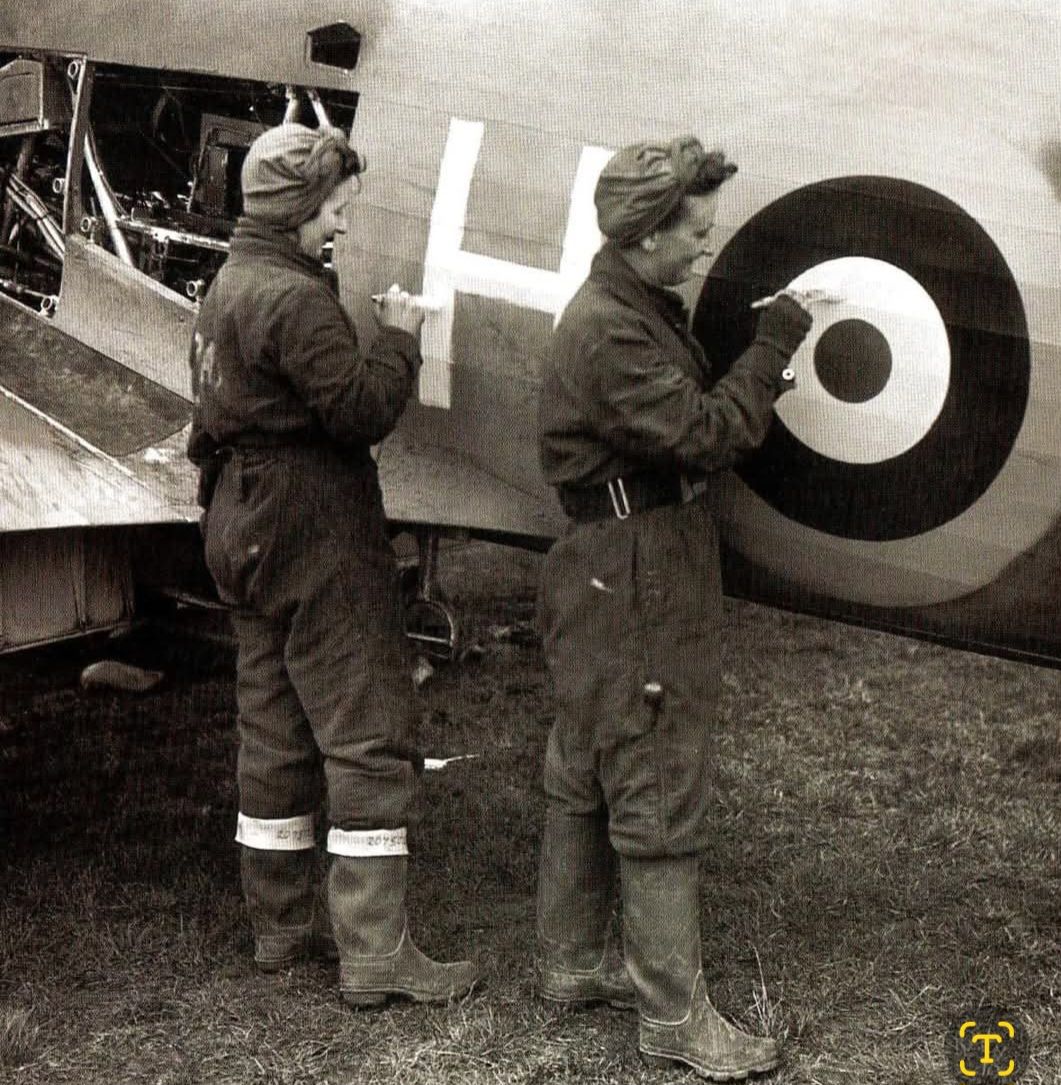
(662, 1061)
(360, 1000)
(368, 999)
(313, 950)
(271, 968)
(591, 1000)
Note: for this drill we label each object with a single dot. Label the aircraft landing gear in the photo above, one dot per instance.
(429, 622)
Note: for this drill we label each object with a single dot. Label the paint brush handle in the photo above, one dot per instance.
(429, 305)
(804, 297)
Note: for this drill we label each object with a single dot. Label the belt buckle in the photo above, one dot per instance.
(620, 502)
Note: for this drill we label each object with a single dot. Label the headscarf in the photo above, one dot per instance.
(644, 182)
(290, 171)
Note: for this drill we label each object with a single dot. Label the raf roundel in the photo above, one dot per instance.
(911, 389)
(872, 376)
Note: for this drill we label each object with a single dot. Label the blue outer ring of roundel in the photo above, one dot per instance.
(931, 238)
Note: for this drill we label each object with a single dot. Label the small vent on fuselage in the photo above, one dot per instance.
(337, 46)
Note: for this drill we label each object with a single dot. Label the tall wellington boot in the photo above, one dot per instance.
(322, 940)
(377, 957)
(661, 931)
(278, 887)
(579, 961)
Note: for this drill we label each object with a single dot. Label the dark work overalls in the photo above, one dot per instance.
(287, 407)
(631, 613)
(631, 606)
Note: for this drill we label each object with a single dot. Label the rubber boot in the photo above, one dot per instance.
(377, 957)
(661, 931)
(278, 887)
(322, 940)
(579, 961)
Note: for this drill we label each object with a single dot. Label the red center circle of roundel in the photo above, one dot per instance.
(853, 361)
(932, 239)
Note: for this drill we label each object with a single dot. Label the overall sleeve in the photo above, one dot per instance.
(357, 397)
(647, 407)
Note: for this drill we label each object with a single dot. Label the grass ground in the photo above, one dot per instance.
(886, 854)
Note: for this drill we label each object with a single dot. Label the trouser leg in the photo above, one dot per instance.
(576, 902)
(278, 774)
(346, 659)
(661, 933)
(579, 960)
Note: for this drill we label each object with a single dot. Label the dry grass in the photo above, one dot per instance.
(886, 853)
(19, 1037)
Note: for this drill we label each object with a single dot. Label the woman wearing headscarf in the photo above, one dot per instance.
(631, 604)
(287, 407)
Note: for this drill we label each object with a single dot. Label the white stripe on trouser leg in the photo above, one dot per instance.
(277, 834)
(367, 843)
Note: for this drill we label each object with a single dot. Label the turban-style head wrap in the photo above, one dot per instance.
(290, 170)
(643, 183)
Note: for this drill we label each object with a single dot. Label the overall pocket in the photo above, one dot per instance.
(589, 631)
(241, 525)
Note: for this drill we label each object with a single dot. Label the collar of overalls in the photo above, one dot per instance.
(611, 269)
(253, 239)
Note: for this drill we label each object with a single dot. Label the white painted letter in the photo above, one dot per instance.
(448, 268)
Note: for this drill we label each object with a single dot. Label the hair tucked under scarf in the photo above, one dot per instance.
(290, 170)
(643, 183)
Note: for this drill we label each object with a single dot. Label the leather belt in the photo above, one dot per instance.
(621, 497)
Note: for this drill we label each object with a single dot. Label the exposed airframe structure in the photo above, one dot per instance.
(120, 154)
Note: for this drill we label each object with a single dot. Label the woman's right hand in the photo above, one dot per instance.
(784, 324)
(398, 308)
